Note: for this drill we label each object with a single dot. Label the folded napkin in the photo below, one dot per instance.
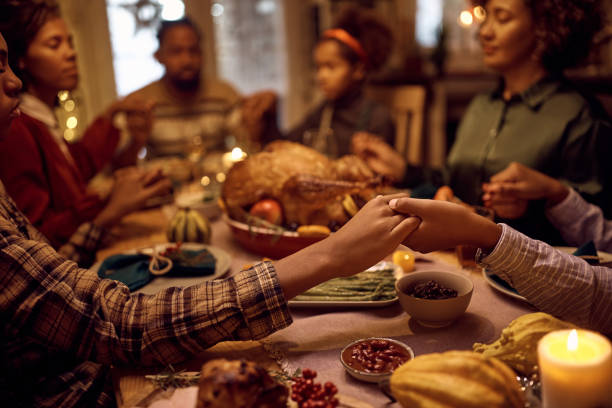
(133, 270)
(588, 252)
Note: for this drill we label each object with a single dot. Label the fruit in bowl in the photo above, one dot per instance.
(289, 196)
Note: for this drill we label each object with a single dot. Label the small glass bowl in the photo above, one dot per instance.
(367, 376)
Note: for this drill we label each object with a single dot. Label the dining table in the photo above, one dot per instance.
(317, 335)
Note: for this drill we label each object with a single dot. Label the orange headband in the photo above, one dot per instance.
(345, 38)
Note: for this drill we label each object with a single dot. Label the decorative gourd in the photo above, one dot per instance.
(518, 344)
(189, 226)
(456, 379)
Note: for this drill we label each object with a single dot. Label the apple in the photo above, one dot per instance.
(269, 210)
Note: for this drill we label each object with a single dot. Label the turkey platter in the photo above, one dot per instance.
(309, 187)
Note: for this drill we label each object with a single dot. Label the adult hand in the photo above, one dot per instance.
(378, 155)
(254, 108)
(521, 182)
(374, 232)
(446, 225)
(131, 104)
(132, 188)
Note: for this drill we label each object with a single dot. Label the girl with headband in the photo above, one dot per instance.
(345, 55)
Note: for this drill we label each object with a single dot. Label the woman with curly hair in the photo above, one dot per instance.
(357, 45)
(535, 116)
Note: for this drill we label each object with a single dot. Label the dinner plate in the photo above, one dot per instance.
(501, 285)
(222, 265)
(357, 304)
(498, 283)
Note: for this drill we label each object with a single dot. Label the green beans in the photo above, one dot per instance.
(365, 286)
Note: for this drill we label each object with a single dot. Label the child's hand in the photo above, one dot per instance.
(446, 225)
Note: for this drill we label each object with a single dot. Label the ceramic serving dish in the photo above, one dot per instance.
(267, 242)
(435, 312)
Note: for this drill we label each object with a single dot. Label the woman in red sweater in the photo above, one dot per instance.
(48, 177)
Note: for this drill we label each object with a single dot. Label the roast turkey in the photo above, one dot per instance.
(309, 186)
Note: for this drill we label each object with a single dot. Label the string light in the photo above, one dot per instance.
(479, 13)
(62, 95)
(72, 122)
(465, 18)
(69, 105)
(69, 135)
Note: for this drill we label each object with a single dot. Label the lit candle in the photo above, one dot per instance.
(236, 155)
(575, 369)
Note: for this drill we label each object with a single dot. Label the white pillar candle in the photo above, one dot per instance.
(575, 369)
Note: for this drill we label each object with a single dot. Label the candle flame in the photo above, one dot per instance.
(572, 341)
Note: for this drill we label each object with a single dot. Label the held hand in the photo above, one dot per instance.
(254, 108)
(139, 125)
(378, 155)
(521, 182)
(134, 104)
(506, 207)
(133, 187)
(446, 225)
(373, 233)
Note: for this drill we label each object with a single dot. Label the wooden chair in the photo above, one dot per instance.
(407, 105)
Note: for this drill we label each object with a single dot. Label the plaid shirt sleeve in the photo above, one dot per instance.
(554, 282)
(50, 300)
(84, 243)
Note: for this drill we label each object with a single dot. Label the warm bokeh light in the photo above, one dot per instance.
(220, 177)
(62, 95)
(69, 105)
(466, 18)
(572, 341)
(72, 122)
(216, 10)
(205, 181)
(479, 13)
(238, 154)
(69, 135)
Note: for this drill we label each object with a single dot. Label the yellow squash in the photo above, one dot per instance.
(189, 226)
(456, 379)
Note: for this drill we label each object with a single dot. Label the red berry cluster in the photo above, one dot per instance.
(309, 394)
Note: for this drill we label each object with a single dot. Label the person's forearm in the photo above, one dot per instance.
(309, 267)
(580, 222)
(554, 282)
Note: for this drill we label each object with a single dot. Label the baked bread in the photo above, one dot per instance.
(238, 383)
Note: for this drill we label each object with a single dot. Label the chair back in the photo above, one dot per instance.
(407, 106)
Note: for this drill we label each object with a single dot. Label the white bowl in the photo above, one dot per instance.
(435, 312)
(367, 376)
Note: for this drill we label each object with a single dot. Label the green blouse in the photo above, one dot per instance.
(551, 128)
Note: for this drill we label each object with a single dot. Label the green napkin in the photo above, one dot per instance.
(588, 249)
(188, 262)
(133, 270)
